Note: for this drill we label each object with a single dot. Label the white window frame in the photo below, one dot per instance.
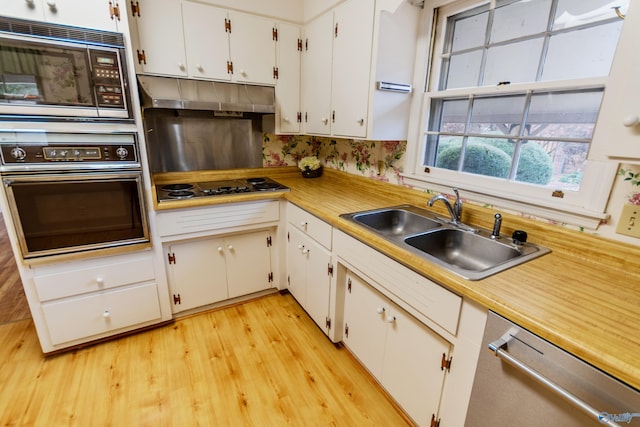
(584, 208)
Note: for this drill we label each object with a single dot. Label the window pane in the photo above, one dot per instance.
(515, 62)
(519, 19)
(497, 116)
(564, 115)
(555, 164)
(486, 156)
(577, 12)
(469, 32)
(448, 152)
(464, 70)
(454, 116)
(582, 54)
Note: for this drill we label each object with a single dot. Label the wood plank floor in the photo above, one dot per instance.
(261, 363)
(13, 302)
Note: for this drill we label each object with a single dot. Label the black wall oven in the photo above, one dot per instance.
(70, 192)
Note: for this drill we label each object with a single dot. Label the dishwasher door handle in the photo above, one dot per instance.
(497, 348)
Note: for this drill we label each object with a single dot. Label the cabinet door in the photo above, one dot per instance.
(206, 40)
(318, 283)
(160, 37)
(365, 315)
(412, 371)
(352, 45)
(198, 273)
(248, 260)
(253, 48)
(288, 58)
(81, 13)
(24, 9)
(316, 75)
(296, 264)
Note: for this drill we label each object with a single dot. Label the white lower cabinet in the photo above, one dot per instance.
(208, 270)
(309, 276)
(81, 301)
(403, 354)
(309, 266)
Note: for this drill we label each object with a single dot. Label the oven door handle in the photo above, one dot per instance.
(498, 348)
(75, 176)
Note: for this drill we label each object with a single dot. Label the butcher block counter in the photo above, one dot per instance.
(584, 296)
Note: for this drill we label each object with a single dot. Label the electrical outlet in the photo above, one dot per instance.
(629, 222)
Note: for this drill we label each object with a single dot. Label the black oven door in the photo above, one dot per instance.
(62, 213)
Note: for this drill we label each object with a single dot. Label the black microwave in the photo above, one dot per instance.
(55, 71)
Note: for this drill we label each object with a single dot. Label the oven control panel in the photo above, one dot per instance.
(16, 154)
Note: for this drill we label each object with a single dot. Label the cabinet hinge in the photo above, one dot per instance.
(230, 67)
(306, 118)
(275, 73)
(288, 237)
(227, 25)
(114, 10)
(274, 34)
(172, 258)
(346, 331)
(269, 242)
(333, 116)
(135, 9)
(330, 269)
(336, 30)
(270, 277)
(445, 363)
(299, 119)
(349, 285)
(434, 422)
(289, 280)
(176, 299)
(327, 323)
(306, 44)
(142, 57)
(299, 45)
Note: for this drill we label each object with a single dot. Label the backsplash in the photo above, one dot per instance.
(384, 161)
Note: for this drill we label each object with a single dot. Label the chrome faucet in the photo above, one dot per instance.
(455, 211)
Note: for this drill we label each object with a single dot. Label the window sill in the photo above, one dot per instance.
(542, 209)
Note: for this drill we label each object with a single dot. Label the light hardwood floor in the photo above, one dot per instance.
(261, 363)
(13, 302)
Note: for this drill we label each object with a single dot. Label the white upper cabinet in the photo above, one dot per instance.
(353, 32)
(252, 42)
(370, 42)
(616, 135)
(288, 57)
(158, 37)
(316, 75)
(206, 41)
(98, 14)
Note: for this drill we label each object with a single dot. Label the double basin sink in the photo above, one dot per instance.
(471, 253)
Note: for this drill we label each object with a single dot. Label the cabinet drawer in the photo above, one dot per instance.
(415, 293)
(82, 317)
(219, 217)
(92, 275)
(316, 228)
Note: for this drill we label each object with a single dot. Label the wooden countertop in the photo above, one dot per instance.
(584, 296)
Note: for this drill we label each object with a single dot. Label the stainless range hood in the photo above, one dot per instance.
(187, 94)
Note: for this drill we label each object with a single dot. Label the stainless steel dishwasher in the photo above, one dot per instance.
(522, 380)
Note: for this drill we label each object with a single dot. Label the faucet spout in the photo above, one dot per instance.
(443, 199)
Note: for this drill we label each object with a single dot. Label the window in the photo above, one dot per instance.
(514, 96)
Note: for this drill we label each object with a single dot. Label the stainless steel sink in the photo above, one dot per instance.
(471, 253)
(396, 221)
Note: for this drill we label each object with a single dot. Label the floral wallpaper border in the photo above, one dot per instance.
(385, 160)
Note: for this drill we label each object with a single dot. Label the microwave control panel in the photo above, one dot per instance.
(107, 78)
(37, 154)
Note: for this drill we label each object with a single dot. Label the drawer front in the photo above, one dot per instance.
(83, 317)
(413, 292)
(219, 217)
(316, 228)
(93, 275)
